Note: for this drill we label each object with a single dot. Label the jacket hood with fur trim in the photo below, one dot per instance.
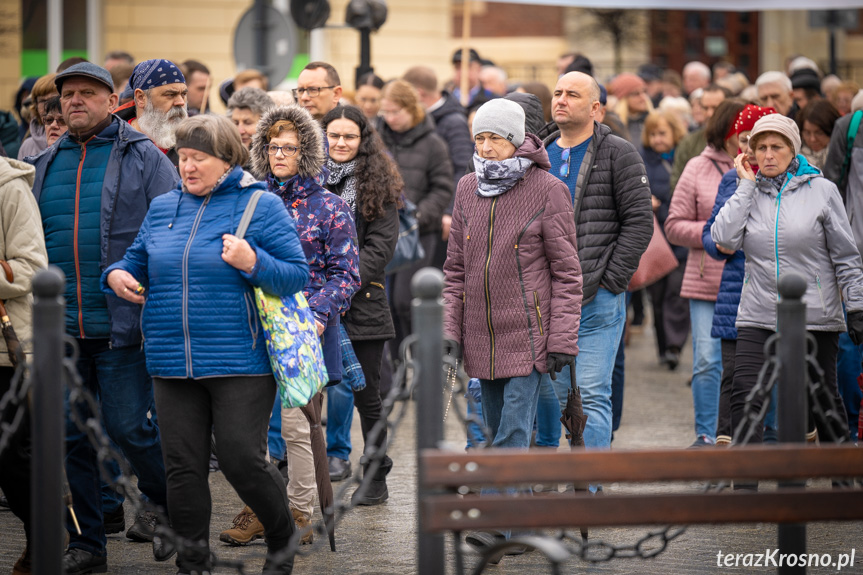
(311, 155)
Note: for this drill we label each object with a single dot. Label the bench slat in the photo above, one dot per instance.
(453, 513)
(510, 467)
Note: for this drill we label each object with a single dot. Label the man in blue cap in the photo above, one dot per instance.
(93, 187)
(159, 103)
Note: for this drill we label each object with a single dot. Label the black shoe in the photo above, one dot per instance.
(143, 528)
(3, 501)
(339, 468)
(286, 566)
(163, 548)
(115, 521)
(79, 562)
(376, 494)
(672, 359)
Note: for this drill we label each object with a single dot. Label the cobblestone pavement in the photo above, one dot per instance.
(382, 540)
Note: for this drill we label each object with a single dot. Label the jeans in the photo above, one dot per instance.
(509, 407)
(602, 322)
(706, 368)
(618, 376)
(237, 410)
(848, 368)
(119, 378)
(547, 415)
(275, 443)
(340, 417)
(473, 397)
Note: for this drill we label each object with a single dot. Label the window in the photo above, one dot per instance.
(716, 21)
(693, 21)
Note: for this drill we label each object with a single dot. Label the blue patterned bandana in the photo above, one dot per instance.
(152, 73)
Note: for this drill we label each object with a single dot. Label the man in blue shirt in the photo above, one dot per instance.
(614, 222)
(93, 187)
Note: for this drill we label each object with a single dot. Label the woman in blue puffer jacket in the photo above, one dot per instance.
(210, 369)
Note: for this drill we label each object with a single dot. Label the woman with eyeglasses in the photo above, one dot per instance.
(423, 161)
(55, 125)
(363, 175)
(288, 153)
(690, 208)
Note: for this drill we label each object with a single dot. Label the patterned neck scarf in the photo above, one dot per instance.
(778, 181)
(497, 177)
(340, 171)
(292, 191)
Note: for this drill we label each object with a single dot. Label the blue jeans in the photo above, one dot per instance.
(475, 436)
(602, 322)
(340, 417)
(275, 443)
(509, 407)
(119, 378)
(706, 368)
(848, 370)
(617, 378)
(547, 415)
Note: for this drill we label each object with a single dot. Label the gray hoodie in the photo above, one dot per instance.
(802, 228)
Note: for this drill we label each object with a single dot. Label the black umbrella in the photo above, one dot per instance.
(13, 346)
(574, 420)
(312, 411)
(573, 417)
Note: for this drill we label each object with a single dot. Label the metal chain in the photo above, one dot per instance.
(13, 406)
(834, 421)
(450, 376)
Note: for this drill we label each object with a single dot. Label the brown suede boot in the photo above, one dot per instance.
(302, 520)
(24, 564)
(245, 529)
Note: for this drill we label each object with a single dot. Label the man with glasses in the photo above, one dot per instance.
(614, 223)
(318, 89)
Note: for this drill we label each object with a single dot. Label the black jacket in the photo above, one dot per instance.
(369, 316)
(613, 215)
(423, 161)
(450, 123)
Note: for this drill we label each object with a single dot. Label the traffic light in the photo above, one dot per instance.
(310, 14)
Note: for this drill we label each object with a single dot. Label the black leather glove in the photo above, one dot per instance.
(452, 348)
(855, 326)
(556, 362)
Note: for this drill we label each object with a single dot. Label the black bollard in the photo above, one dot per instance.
(48, 433)
(427, 315)
(792, 407)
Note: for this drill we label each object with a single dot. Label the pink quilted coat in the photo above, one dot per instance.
(691, 206)
(513, 280)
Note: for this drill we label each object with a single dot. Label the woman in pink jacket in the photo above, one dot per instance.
(691, 206)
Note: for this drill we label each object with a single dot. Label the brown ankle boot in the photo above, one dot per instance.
(24, 565)
(245, 529)
(302, 520)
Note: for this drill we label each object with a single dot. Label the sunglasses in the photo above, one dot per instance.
(564, 168)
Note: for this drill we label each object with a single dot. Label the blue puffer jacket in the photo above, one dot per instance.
(200, 318)
(728, 299)
(136, 173)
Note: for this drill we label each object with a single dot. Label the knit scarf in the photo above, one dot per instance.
(497, 177)
(338, 172)
(778, 181)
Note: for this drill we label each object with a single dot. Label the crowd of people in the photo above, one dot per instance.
(537, 202)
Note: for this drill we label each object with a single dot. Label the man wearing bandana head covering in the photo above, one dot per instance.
(159, 103)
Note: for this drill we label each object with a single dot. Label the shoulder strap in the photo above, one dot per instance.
(248, 213)
(853, 127)
(716, 165)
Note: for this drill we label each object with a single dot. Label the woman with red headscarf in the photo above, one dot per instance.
(731, 284)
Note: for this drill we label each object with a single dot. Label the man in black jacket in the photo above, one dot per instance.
(614, 223)
(451, 125)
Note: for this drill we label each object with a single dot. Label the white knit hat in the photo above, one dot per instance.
(779, 124)
(501, 117)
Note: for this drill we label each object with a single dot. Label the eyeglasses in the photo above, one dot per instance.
(287, 151)
(312, 92)
(564, 168)
(333, 137)
(51, 119)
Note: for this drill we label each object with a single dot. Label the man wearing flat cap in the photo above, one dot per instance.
(159, 103)
(93, 187)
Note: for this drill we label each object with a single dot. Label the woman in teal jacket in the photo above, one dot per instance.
(204, 343)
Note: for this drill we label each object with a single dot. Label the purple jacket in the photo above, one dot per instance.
(513, 280)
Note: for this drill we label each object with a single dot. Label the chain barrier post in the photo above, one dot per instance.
(427, 315)
(48, 434)
(792, 407)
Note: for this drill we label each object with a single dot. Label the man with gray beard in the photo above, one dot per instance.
(159, 103)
